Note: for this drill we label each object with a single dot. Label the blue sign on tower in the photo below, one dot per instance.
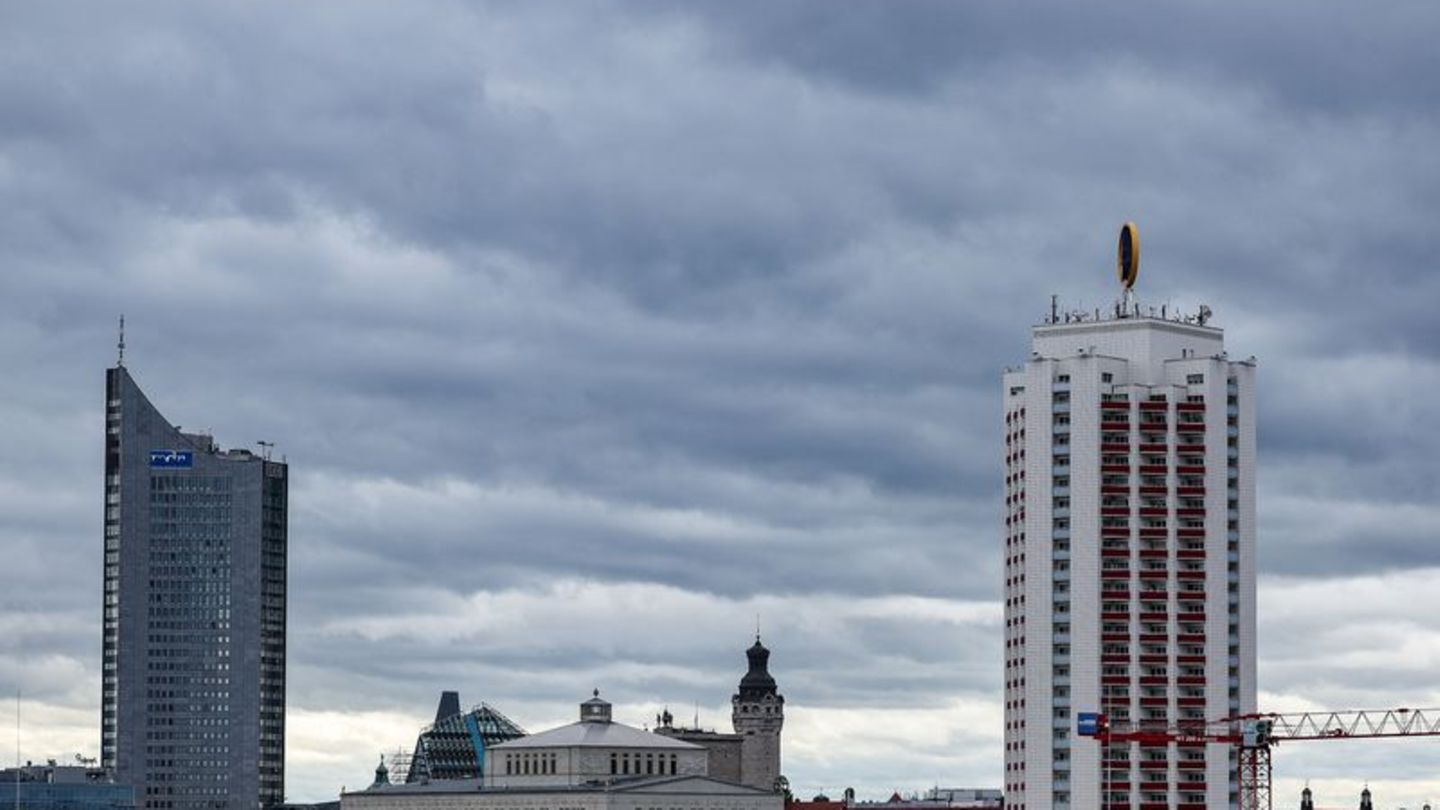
(172, 459)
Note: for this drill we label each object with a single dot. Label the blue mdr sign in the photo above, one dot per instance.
(172, 459)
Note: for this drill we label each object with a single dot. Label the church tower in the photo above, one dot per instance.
(758, 713)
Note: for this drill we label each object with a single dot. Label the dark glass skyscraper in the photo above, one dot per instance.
(193, 686)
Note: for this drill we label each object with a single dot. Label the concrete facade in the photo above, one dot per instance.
(1130, 559)
(194, 613)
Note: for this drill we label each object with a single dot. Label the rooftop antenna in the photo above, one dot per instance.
(697, 715)
(265, 449)
(121, 345)
(17, 748)
(1054, 308)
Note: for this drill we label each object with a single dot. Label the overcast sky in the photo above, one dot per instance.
(593, 331)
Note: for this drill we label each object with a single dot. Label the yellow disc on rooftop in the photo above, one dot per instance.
(1128, 256)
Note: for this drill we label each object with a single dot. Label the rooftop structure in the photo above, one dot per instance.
(454, 747)
(63, 787)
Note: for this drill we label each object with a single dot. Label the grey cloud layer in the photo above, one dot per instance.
(712, 298)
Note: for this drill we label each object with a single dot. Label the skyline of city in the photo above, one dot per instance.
(594, 332)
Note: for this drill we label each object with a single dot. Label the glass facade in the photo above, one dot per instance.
(193, 700)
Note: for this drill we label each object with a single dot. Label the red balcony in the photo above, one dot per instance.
(1114, 468)
(1154, 701)
(1154, 531)
(1153, 637)
(1160, 575)
(1189, 680)
(1153, 658)
(1115, 658)
(1115, 489)
(1190, 469)
(1192, 575)
(1121, 616)
(1189, 511)
(1190, 406)
(1114, 552)
(1114, 680)
(1115, 573)
(1154, 406)
(1112, 447)
(1188, 638)
(1112, 405)
(1154, 469)
(1189, 659)
(1154, 617)
(1114, 511)
(1153, 680)
(1190, 765)
(1150, 489)
(1190, 701)
(1191, 617)
(1153, 448)
(1188, 490)
(1189, 427)
(1191, 554)
(1187, 531)
(1114, 636)
(1107, 423)
(1153, 553)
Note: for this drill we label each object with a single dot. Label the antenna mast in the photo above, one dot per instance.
(17, 749)
(121, 345)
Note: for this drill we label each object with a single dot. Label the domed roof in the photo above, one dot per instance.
(757, 681)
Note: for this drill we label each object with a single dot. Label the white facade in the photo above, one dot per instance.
(667, 793)
(1130, 559)
(594, 764)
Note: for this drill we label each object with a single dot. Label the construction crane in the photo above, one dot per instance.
(1255, 734)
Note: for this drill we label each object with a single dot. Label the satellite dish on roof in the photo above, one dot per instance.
(1127, 258)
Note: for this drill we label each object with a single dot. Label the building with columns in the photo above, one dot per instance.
(1129, 556)
(592, 764)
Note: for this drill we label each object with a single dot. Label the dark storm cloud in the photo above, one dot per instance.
(547, 304)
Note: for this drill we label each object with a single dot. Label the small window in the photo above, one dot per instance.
(1107, 377)
(1194, 379)
(1063, 378)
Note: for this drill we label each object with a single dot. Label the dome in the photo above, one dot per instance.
(757, 681)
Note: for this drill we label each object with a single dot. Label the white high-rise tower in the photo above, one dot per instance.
(1129, 555)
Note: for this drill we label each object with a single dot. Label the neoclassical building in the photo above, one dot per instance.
(592, 764)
